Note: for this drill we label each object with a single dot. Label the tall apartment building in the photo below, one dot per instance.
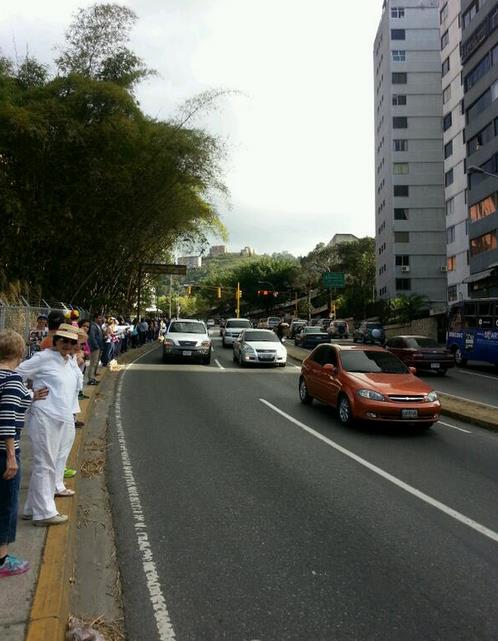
(479, 22)
(454, 151)
(409, 202)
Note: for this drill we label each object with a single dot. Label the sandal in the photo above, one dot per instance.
(66, 492)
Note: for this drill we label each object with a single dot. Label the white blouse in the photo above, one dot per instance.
(63, 379)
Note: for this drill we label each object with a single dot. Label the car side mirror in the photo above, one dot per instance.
(413, 370)
(329, 368)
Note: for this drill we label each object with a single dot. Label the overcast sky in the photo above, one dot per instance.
(301, 134)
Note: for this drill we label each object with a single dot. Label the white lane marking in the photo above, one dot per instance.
(158, 602)
(458, 516)
(454, 427)
(218, 363)
(470, 400)
(492, 378)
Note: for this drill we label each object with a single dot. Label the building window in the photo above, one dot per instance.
(447, 121)
(397, 12)
(481, 68)
(448, 149)
(401, 191)
(401, 168)
(399, 100)
(398, 34)
(400, 145)
(443, 14)
(399, 55)
(450, 235)
(484, 136)
(448, 178)
(400, 213)
(402, 260)
(452, 293)
(403, 284)
(400, 122)
(450, 206)
(484, 100)
(482, 244)
(451, 263)
(469, 15)
(483, 208)
(445, 67)
(445, 38)
(401, 237)
(399, 78)
(446, 94)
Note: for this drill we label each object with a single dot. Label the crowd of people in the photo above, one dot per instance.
(41, 385)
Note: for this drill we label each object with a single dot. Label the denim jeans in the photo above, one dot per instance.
(9, 501)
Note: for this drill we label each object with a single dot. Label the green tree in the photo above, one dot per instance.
(404, 309)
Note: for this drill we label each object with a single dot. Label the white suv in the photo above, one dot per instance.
(232, 330)
(187, 339)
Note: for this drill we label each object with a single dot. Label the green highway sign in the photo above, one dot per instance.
(333, 279)
(158, 268)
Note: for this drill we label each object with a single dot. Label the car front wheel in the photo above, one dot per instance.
(304, 396)
(344, 410)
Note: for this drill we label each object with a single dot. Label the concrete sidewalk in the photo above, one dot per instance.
(467, 411)
(35, 606)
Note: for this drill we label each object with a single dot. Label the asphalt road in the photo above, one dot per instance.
(247, 526)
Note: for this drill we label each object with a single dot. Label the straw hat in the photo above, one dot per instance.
(67, 331)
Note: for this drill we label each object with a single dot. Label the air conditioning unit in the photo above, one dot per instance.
(405, 268)
(444, 268)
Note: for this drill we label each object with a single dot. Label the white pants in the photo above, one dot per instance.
(51, 440)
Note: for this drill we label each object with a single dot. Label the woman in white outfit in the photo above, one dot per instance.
(51, 423)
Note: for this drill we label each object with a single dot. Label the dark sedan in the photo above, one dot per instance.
(421, 352)
(310, 337)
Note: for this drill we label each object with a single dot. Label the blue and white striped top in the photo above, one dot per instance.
(15, 399)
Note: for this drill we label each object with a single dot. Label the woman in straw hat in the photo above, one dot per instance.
(15, 399)
(51, 423)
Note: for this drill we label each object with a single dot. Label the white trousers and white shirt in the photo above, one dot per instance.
(50, 426)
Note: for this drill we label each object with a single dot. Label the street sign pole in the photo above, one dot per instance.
(139, 291)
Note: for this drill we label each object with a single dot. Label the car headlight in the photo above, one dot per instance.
(248, 349)
(205, 343)
(370, 394)
(431, 397)
(167, 342)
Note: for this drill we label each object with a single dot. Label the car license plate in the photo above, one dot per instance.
(186, 353)
(266, 357)
(409, 413)
(435, 365)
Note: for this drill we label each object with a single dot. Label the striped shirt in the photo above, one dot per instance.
(15, 399)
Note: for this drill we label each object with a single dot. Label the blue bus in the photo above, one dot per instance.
(473, 330)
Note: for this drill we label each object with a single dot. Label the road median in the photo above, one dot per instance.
(464, 410)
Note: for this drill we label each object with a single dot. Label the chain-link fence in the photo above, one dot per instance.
(22, 318)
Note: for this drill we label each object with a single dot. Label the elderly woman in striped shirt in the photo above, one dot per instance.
(15, 399)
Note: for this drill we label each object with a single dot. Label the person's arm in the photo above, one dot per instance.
(27, 369)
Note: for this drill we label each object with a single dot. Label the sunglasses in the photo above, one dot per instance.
(69, 340)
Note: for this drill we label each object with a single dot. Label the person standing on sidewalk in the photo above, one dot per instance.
(96, 344)
(51, 422)
(54, 319)
(15, 399)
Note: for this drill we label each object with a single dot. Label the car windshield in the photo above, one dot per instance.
(374, 326)
(238, 323)
(372, 362)
(187, 327)
(268, 337)
(313, 330)
(420, 341)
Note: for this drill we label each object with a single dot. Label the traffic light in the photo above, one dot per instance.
(218, 292)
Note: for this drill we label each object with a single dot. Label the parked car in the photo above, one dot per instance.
(338, 329)
(233, 328)
(421, 352)
(295, 325)
(309, 337)
(369, 332)
(367, 383)
(259, 346)
(187, 339)
(272, 322)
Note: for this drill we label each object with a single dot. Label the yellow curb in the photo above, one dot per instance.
(469, 411)
(50, 608)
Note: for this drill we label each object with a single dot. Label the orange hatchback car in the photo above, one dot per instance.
(368, 383)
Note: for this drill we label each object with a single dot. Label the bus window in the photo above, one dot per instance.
(469, 315)
(485, 315)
